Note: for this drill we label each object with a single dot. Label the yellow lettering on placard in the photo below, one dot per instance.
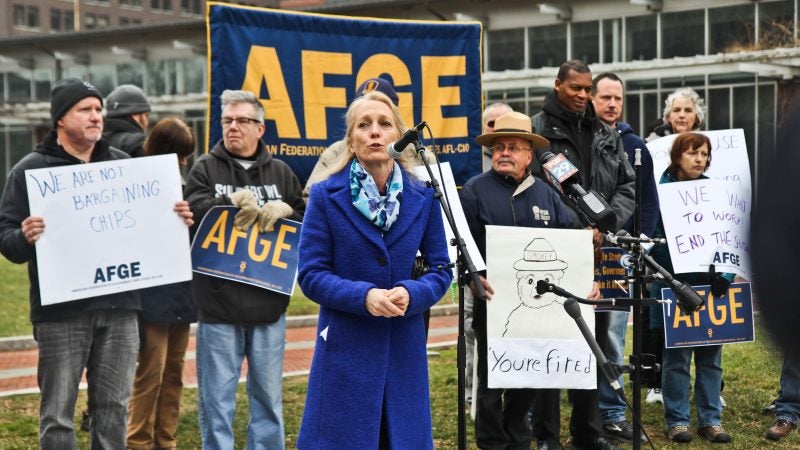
(388, 64)
(251, 246)
(713, 309)
(264, 67)
(217, 233)
(317, 98)
(281, 245)
(435, 96)
(236, 234)
(735, 305)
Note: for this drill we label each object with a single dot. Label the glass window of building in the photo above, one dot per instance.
(586, 41)
(80, 72)
(164, 5)
(683, 34)
(506, 49)
(69, 21)
(776, 24)
(89, 21)
(719, 107)
(102, 76)
(131, 2)
(156, 78)
(194, 70)
(55, 19)
(191, 7)
(19, 15)
(32, 16)
(731, 29)
(548, 45)
(132, 73)
(102, 21)
(640, 37)
(41, 84)
(19, 86)
(612, 40)
(124, 21)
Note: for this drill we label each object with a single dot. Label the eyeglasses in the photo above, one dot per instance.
(499, 148)
(227, 121)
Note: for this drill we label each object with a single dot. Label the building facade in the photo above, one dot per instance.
(742, 56)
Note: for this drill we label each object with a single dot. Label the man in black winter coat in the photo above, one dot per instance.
(569, 122)
(127, 117)
(96, 333)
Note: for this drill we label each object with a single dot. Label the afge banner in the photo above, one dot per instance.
(305, 69)
(109, 227)
(724, 320)
(267, 260)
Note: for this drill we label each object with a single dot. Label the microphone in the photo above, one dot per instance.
(395, 149)
(608, 370)
(688, 300)
(561, 173)
(543, 287)
(623, 239)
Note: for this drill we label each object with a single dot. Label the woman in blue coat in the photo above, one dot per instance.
(368, 387)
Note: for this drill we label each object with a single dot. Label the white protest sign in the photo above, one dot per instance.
(532, 341)
(449, 187)
(707, 221)
(109, 227)
(728, 156)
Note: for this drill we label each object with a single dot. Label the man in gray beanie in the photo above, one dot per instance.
(97, 333)
(127, 116)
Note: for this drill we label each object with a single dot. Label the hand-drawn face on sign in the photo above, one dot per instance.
(539, 262)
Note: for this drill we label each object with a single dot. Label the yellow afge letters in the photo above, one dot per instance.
(258, 249)
(264, 69)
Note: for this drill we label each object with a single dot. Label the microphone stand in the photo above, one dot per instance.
(609, 370)
(636, 359)
(465, 269)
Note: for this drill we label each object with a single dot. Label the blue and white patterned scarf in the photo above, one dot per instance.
(382, 210)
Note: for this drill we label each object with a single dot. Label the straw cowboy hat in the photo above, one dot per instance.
(539, 255)
(513, 124)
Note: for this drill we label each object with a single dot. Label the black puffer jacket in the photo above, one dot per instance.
(14, 209)
(603, 166)
(212, 179)
(125, 134)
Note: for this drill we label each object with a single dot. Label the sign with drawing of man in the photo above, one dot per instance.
(532, 341)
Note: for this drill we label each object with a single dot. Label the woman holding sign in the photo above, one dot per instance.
(368, 385)
(690, 157)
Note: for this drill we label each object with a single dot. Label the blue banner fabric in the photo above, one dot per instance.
(305, 69)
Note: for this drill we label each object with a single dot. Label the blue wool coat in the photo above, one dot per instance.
(365, 366)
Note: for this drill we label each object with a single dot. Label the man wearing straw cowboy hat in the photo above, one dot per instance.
(506, 195)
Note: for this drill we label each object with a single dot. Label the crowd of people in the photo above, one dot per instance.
(357, 252)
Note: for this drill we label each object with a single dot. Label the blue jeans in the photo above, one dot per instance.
(612, 408)
(221, 348)
(106, 344)
(707, 383)
(787, 407)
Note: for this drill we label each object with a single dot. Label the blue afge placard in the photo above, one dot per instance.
(724, 320)
(267, 260)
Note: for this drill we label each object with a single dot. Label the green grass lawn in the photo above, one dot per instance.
(751, 380)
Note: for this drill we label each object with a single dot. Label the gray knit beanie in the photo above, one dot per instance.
(125, 100)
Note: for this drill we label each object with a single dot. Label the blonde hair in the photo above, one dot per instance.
(407, 161)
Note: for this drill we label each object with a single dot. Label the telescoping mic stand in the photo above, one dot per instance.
(610, 371)
(466, 271)
(644, 366)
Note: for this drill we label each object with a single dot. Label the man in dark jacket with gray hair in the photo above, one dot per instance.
(238, 320)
